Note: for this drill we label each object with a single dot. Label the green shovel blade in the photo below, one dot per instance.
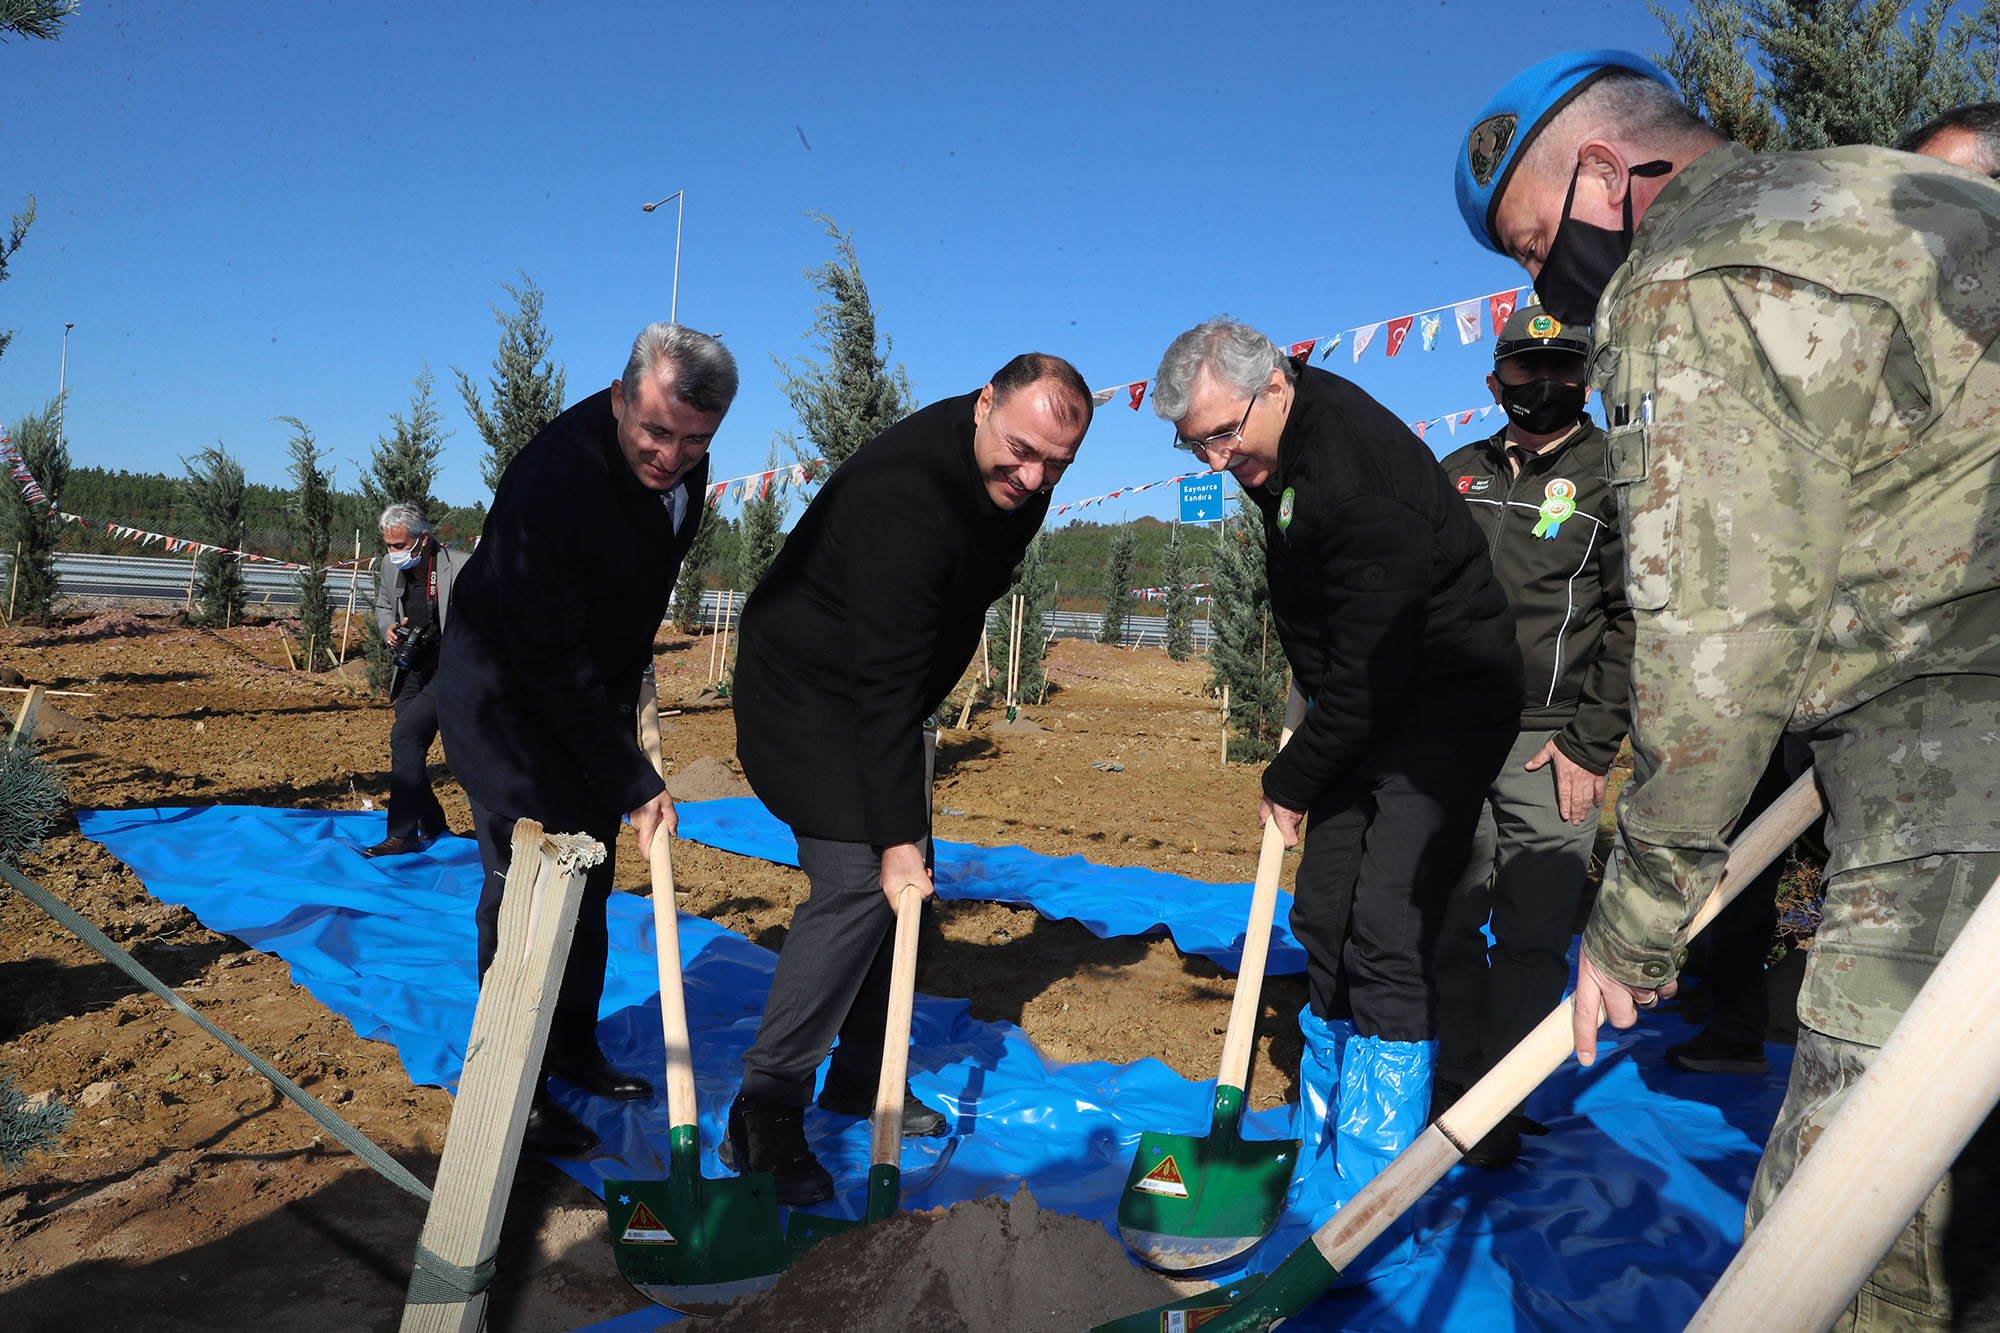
(1253, 1305)
(692, 1243)
(1191, 1203)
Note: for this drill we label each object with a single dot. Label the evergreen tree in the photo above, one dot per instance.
(1803, 74)
(214, 491)
(1246, 654)
(1031, 581)
(1180, 601)
(312, 507)
(527, 384)
(693, 580)
(35, 18)
(851, 396)
(16, 234)
(762, 523)
(38, 440)
(1117, 597)
(32, 800)
(404, 464)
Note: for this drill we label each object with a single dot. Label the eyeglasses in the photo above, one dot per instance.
(1200, 447)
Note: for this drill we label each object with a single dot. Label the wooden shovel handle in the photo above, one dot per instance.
(673, 999)
(1248, 1000)
(1892, 1140)
(1539, 1054)
(887, 1148)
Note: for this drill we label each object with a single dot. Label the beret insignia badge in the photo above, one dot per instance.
(1488, 144)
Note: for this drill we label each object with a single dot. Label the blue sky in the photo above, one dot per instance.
(253, 210)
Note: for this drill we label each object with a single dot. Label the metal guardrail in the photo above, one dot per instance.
(150, 578)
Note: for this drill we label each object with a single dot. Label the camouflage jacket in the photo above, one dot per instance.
(1804, 404)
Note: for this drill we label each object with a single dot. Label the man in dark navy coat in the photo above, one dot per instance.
(552, 627)
(862, 625)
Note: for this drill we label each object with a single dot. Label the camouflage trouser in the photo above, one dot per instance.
(1943, 1271)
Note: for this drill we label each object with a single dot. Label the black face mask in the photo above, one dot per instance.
(1543, 407)
(1583, 257)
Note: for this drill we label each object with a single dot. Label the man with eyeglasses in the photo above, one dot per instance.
(1538, 493)
(1399, 637)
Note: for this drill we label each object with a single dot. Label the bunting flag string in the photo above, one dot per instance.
(758, 485)
(1451, 421)
(1428, 323)
(1061, 509)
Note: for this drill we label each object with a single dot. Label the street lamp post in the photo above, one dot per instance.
(62, 386)
(680, 213)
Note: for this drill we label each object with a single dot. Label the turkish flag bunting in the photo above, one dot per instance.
(1420, 427)
(1305, 348)
(1502, 306)
(1399, 329)
(1138, 394)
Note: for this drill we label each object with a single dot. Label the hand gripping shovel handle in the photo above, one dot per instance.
(1317, 1264)
(1248, 1000)
(1539, 1054)
(673, 1000)
(885, 1175)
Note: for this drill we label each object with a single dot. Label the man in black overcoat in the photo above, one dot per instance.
(853, 638)
(552, 627)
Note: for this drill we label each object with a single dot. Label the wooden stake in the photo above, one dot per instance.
(353, 578)
(13, 582)
(52, 694)
(728, 619)
(985, 663)
(714, 636)
(311, 642)
(1930, 1086)
(332, 659)
(194, 564)
(1225, 724)
(24, 721)
(285, 642)
(503, 1063)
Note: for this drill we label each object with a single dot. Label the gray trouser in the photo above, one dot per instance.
(1526, 871)
(832, 978)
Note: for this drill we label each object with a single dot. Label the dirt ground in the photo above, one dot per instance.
(189, 1195)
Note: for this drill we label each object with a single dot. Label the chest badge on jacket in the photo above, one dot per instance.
(1558, 506)
(1285, 503)
(1474, 485)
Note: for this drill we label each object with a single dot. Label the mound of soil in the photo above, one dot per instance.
(990, 1265)
(52, 723)
(706, 779)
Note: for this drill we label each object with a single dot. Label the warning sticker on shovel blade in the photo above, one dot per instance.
(1186, 1321)
(1163, 1179)
(645, 1229)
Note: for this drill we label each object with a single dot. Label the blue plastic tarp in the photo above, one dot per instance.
(1621, 1218)
(1108, 901)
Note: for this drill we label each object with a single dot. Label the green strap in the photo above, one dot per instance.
(438, 1281)
(348, 1136)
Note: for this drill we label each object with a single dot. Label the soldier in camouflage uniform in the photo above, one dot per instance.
(1804, 400)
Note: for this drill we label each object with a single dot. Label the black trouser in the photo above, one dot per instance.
(1382, 851)
(832, 980)
(413, 806)
(573, 1027)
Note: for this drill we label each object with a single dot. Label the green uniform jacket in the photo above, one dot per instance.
(1797, 362)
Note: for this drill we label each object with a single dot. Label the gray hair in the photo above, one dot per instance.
(1234, 353)
(407, 517)
(1622, 105)
(696, 368)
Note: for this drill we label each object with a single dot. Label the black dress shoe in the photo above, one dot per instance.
(919, 1121)
(768, 1138)
(555, 1132)
(596, 1076)
(394, 847)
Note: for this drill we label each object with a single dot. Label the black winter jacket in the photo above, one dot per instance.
(1566, 587)
(1381, 590)
(552, 624)
(863, 624)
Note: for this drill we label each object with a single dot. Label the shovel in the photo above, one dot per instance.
(1195, 1202)
(687, 1242)
(885, 1172)
(1260, 1302)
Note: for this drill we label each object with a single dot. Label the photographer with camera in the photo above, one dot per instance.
(412, 599)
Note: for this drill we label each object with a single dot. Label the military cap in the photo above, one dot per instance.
(1502, 131)
(1532, 329)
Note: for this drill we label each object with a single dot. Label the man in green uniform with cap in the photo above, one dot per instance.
(1537, 491)
(1795, 354)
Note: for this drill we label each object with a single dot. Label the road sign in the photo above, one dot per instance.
(1201, 499)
